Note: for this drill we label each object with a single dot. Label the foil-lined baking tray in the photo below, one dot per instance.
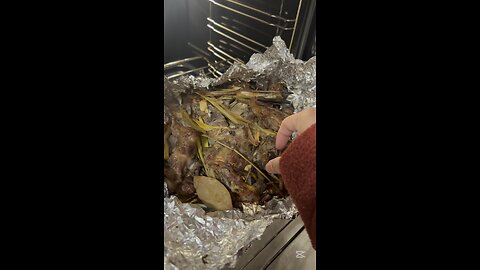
(195, 239)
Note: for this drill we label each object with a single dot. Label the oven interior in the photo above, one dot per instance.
(207, 36)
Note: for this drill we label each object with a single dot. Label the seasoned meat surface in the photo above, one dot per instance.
(228, 134)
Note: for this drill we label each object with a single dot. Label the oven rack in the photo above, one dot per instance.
(227, 19)
(193, 66)
(287, 26)
(236, 31)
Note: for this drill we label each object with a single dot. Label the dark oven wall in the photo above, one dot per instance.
(185, 22)
(311, 40)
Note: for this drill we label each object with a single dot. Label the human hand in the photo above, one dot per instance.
(298, 122)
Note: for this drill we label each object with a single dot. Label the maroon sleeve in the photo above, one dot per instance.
(298, 169)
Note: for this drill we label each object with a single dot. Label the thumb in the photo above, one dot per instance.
(273, 166)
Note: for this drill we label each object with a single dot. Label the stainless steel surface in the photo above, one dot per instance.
(258, 245)
(284, 245)
(298, 255)
(264, 250)
(275, 247)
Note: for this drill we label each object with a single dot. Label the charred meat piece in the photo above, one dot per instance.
(182, 165)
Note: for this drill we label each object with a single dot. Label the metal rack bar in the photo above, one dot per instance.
(233, 39)
(186, 60)
(213, 73)
(243, 24)
(280, 13)
(250, 16)
(224, 53)
(236, 33)
(207, 69)
(186, 72)
(295, 26)
(212, 69)
(216, 54)
(241, 50)
(260, 11)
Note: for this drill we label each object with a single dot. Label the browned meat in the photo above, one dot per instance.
(265, 152)
(268, 117)
(229, 168)
(181, 162)
(253, 137)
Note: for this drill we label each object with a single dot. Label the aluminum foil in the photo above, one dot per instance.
(195, 239)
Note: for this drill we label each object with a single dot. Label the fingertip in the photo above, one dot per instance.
(272, 166)
(277, 145)
(268, 166)
(280, 142)
(286, 129)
